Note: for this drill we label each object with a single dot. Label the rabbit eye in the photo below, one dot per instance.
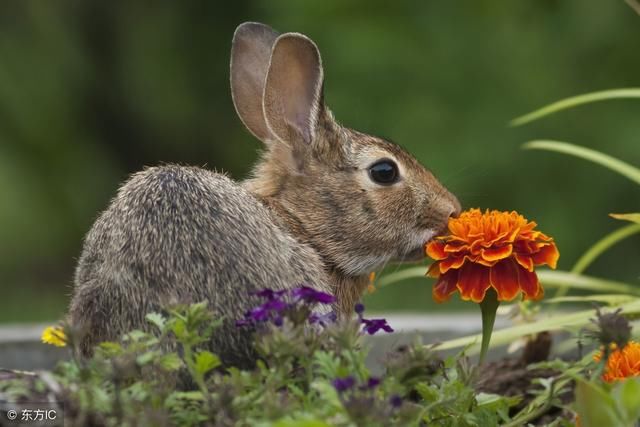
(384, 172)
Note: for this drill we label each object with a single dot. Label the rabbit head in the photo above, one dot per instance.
(360, 201)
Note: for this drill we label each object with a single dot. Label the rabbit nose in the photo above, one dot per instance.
(456, 208)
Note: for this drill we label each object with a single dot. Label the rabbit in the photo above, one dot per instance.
(324, 206)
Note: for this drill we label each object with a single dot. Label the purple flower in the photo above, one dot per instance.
(371, 326)
(323, 319)
(269, 294)
(272, 309)
(310, 295)
(343, 384)
(263, 312)
(395, 401)
(372, 383)
(282, 302)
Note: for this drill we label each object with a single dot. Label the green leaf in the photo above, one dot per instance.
(427, 392)
(157, 320)
(170, 362)
(489, 399)
(186, 395)
(136, 335)
(610, 299)
(574, 101)
(627, 394)
(179, 328)
(588, 283)
(327, 394)
(616, 165)
(398, 276)
(311, 422)
(595, 406)
(110, 349)
(632, 217)
(147, 357)
(206, 361)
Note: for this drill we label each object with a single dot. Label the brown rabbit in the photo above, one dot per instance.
(326, 205)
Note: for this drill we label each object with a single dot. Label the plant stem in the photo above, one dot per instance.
(488, 308)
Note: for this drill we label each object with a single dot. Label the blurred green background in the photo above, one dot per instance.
(92, 91)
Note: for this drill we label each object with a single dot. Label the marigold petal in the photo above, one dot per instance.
(457, 228)
(434, 270)
(548, 254)
(513, 234)
(496, 253)
(504, 279)
(529, 284)
(456, 246)
(453, 262)
(476, 247)
(500, 237)
(481, 261)
(445, 286)
(473, 282)
(435, 250)
(525, 261)
(526, 246)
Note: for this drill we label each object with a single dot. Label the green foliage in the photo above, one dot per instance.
(320, 379)
(167, 377)
(608, 405)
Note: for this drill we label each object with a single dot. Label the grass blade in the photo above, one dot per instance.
(631, 217)
(609, 299)
(554, 323)
(616, 165)
(398, 276)
(549, 278)
(579, 281)
(575, 101)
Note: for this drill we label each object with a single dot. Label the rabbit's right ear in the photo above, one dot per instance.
(250, 55)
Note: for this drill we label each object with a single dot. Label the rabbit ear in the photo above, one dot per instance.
(293, 89)
(250, 53)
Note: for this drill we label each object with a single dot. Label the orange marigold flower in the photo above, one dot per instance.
(490, 250)
(621, 364)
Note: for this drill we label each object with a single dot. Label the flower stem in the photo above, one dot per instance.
(488, 307)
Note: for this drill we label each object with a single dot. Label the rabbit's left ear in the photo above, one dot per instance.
(250, 54)
(292, 98)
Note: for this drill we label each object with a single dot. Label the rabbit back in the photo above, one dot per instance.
(179, 235)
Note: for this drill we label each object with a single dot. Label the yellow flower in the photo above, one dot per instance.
(621, 364)
(54, 335)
